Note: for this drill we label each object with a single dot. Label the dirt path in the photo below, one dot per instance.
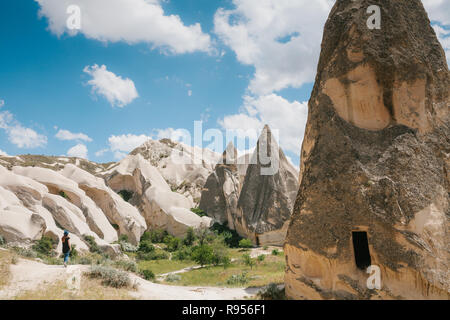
(31, 275)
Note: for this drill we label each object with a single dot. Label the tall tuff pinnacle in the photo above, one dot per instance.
(374, 182)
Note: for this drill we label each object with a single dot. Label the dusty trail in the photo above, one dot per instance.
(31, 275)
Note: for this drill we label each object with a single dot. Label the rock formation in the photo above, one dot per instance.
(258, 204)
(221, 192)
(186, 177)
(158, 204)
(375, 161)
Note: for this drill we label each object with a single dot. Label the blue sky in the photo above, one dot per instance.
(241, 68)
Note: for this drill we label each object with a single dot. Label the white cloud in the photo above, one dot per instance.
(280, 38)
(101, 152)
(131, 21)
(119, 92)
(189, 93)
(119, 155)
(438, 10)
(79, 151)
(67, 135)
(18, 135)
(126, 142)
(439, 14)
(288, 118)
(3, 153)
(2, 103)
(444, 37)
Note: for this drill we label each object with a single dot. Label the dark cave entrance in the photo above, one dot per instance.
(361, 249)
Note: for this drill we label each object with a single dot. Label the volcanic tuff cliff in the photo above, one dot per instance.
(375, 159)
(257, 204)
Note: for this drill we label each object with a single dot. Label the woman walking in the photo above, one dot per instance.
(66, 247)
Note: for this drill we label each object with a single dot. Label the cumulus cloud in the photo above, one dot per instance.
(280, 38)
(130, 21)
(66, 135)
(19, 135)
(119, 92)
(444, 38)
(79, 151)
(288, 118)
(439, 14)
(438, 10)
(3, 153)
(126, 142)
(101, 152)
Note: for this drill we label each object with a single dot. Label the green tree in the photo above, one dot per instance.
(220, 253)
(203, 254)
(190, 237)
(146, 246)
(245, 243)
(248, 261)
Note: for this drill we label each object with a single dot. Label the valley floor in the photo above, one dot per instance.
(31, 279)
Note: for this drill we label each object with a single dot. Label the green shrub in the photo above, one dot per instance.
(261, 257)
(110, 276)
(154, 255)
(265, 247)
(245, 243)
(238, 279)
(231, 237)
(44, 246)
(272, 292)
(158, 235)
(183, 253)
(220, 253)
(127, 247)
(126, 195)
(115, 226)
(2, 240)
(146, 237)
(173, 244)
(73, 251)
(64, 195)
(123, 237)
(146, 246)
(204, 235)
(203, 254)
(25, 252)
(148, 274)
(173, 278)
(84, 260)
(190, 238)
(93, 247)
(126, 265)
(199, 212)
(275, 252)
(248, 261)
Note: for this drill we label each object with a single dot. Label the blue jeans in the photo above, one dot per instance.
(66, 256)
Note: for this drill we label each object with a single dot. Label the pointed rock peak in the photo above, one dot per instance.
(229, 156)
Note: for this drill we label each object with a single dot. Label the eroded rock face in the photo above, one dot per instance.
(268, 194)
(119, 212)
(158, 204)
(375, 159)
(185, 168)
(221, 192)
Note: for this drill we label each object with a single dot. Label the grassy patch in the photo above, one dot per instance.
(6, 259)
(271, 270)
(164, 266)
(91, 289)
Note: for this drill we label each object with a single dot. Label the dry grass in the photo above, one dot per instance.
(165, 265)
(6, 259)
(91, 289)
(264, 273)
